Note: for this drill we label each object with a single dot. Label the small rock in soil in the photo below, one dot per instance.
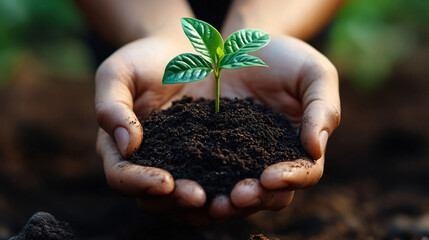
(258, 237)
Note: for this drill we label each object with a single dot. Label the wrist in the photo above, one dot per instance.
(243, 18)
(163, 18)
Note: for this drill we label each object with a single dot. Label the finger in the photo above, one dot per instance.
(189, 194)
(186, 194)
(321, 102)
(293, 175)
(114, 104)
(221, 207)
(128, 178)
(276, 200)
(249, 193)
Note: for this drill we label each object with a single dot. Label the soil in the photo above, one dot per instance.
(217, 150)
(44, 226)
(375, 184)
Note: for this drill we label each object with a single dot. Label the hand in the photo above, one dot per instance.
(300, 83)
(128, 87)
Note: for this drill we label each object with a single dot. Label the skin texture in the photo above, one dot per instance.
(121, 22)
(301, 19)
(300, 82)
(125, 91)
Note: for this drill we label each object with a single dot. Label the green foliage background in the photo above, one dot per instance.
(370, 37)
(48, 31)
(366, 41)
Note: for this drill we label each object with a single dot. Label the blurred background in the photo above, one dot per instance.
(376, 181)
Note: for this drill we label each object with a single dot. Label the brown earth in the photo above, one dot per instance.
(375, 184)
(217, 150)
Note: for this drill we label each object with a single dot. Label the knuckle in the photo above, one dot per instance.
(334, 116)
(98, 147)
(101, 113)
(331, 69)
(159, 177)
(116, 67)
(107, 69)
(282, 201)
(111, 181)
(313, 179)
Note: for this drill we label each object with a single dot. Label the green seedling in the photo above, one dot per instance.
(215, 54)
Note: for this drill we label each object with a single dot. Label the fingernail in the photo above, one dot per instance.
(323, 139)
(122, 138)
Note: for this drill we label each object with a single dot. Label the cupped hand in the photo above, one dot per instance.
(128, 88)
(300, 83)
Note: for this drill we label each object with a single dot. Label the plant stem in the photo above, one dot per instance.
(217, 97)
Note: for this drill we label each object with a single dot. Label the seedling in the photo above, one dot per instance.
(215, 54)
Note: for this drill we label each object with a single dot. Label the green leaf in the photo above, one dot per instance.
(246, 40)
(219, 55)
(239, 60)
(204, 37)
(186, 67)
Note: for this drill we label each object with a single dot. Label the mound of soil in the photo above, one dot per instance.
(44, 226)
(217, 149)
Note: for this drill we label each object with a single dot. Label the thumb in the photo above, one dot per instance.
(114, 105)
(321, 108)
(319, 121)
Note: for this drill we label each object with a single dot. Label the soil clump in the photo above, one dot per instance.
(217, 150)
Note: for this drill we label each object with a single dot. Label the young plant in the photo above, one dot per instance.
(215, 54)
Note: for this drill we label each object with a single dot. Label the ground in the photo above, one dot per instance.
(375, 184)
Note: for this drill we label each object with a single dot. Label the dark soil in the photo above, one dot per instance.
(375, 184)
(192, 142)
(44, 226)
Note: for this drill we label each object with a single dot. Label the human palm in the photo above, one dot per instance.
(300, 83)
